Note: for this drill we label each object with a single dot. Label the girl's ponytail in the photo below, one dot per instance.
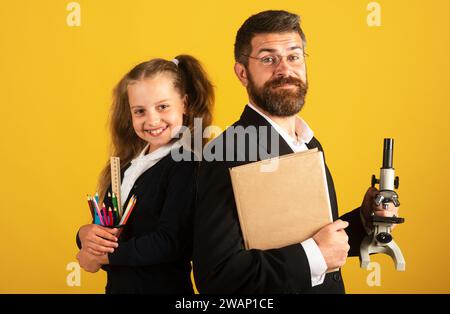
(199, 90)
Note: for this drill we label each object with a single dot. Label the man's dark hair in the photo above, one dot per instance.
(264, 22)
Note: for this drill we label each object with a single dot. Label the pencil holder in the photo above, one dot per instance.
(112, 227)
(109, 218)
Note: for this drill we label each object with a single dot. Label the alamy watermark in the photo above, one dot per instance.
(374, 277)
(73, 278)
(74, 17)
(236, 143)
(374, 17)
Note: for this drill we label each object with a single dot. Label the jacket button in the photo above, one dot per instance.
(337, 276)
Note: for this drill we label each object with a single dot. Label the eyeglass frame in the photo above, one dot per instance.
(279, 56)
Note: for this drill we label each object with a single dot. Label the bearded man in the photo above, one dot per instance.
(270, 64)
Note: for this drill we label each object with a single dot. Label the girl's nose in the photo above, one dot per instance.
(153, 119)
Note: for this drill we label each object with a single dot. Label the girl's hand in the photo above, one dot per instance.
(98, 240)
(88, 262)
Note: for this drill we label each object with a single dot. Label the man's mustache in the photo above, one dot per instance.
(285, 80)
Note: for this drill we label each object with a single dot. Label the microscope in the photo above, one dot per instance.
(379, 238)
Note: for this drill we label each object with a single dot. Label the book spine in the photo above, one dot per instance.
(238, 206)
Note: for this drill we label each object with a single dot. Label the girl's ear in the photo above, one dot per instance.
(241, 73)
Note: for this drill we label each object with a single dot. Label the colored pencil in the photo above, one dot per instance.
(131, 209)
(114, 201)
(91, 208)
(115, 215)
(105, 214)
(111, 220)
(110, 198)
(128, 211)
(130, 202)
(97, 209)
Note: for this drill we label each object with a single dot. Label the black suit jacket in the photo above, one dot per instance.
(155, 247)
(221, 263)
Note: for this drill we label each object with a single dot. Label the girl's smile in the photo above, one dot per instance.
(157, 131)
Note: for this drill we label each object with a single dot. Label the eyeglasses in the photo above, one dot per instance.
(294, 59)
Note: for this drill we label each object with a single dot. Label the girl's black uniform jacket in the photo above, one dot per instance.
(155, 246)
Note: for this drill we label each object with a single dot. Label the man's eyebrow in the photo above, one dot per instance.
(295, 47)
(271, 50)
(266, 50)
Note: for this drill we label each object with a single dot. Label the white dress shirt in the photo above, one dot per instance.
(316, 261)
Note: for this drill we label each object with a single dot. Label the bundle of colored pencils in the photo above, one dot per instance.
(111, 217)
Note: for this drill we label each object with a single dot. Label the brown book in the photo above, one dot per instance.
(283, 200)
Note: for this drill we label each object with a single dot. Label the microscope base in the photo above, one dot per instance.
(369, 246)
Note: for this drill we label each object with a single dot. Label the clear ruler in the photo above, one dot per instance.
(116, 182)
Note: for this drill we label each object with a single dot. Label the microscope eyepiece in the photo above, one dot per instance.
(388, 150)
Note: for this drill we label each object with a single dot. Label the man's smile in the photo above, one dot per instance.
(286, 86)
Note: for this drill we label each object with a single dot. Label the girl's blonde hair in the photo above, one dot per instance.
(189, 78)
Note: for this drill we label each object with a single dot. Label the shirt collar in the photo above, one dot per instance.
(157, 154)
(302, 129)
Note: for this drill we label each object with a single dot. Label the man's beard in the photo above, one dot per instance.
(281, 102)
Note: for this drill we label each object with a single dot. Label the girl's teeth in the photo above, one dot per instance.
(157, 131)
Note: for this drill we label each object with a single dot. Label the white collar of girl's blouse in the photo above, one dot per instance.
(157, 154)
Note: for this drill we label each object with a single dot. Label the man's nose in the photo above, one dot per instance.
(283, 68)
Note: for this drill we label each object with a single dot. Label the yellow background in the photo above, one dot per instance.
(366, 83)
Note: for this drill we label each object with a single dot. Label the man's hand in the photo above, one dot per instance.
(98, 240)
(333, 243)
(368, 206)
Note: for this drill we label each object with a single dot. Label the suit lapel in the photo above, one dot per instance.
(250, 117)
(313, 144)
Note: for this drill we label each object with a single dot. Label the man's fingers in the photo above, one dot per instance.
(338, 225)
(384, 213)
(380, 211)
(371, 192)
(390, 207)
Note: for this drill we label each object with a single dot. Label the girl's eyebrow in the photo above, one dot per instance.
(160, 101)
(143, 107)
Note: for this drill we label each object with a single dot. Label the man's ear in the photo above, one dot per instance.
(241, 73)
